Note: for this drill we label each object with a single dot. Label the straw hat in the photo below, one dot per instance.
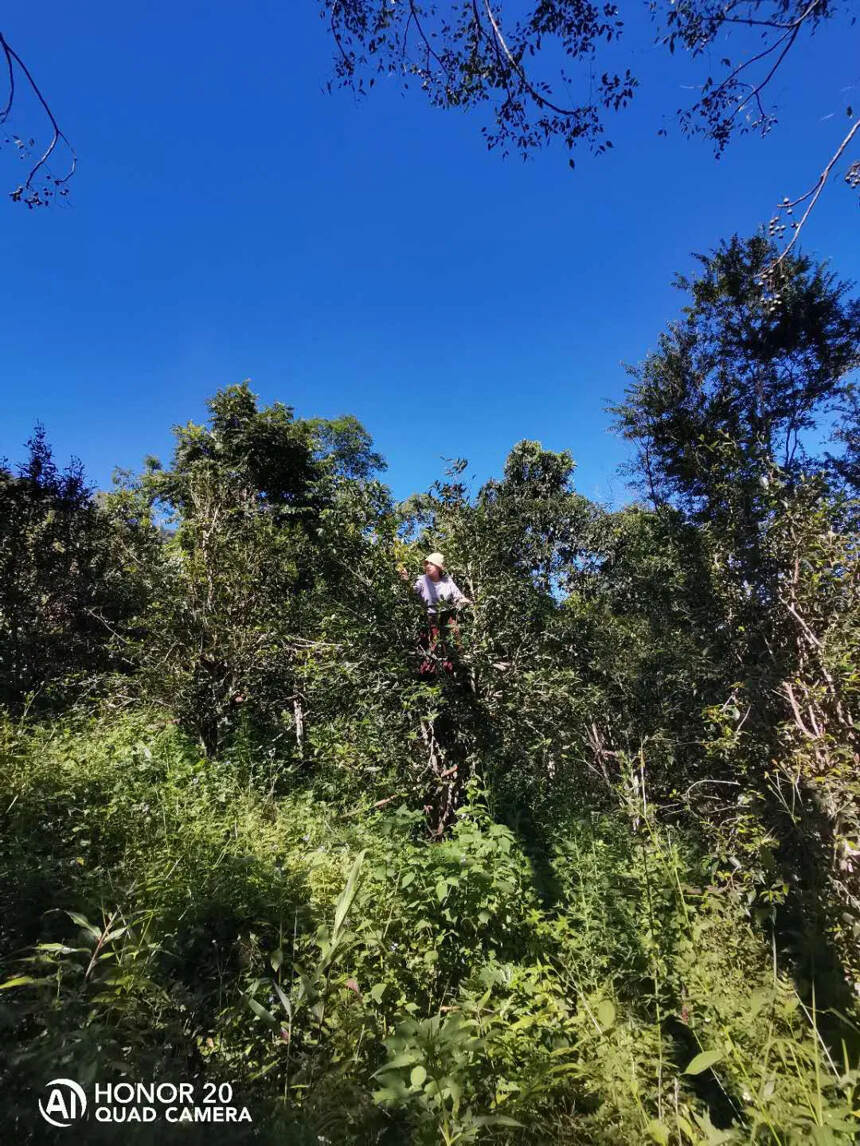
(435, 559)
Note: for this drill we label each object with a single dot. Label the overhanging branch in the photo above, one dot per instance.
(40, 186)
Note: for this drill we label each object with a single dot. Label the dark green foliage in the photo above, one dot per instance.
(737, 384)
(723, 416)
(210, 929)
(267, 509)
(585, 871)
(63, 585)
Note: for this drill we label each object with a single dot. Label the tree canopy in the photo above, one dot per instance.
(520, 64)
(415, 878)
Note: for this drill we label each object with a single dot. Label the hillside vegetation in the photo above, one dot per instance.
(594, 883)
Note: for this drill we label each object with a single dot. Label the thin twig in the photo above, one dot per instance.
(12, 55)
(814, 193)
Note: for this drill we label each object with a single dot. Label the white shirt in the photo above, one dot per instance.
(431, 592)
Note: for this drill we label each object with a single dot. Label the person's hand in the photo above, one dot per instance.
(403, 572)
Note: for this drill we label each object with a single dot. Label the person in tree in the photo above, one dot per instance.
(441, 597)
(436, 587)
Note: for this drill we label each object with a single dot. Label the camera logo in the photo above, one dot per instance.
(65, 1103)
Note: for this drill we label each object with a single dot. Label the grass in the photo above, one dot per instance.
(214, 919)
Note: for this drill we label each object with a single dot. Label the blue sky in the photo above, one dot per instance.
(231, 220)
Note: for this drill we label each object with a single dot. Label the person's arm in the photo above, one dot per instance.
(421, 590)
(416, 586)
(460, 598)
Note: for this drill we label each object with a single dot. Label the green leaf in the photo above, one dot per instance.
(418, 1076)
(703, 1061)
(285, 1002)
(406, 1059)
(261, 1012)
(62, 949)
(377, 991)
(713, 1136)
(82, 921)
(658, 1132)
(407, 879)
(386, 1094)
(276, 958)
(441, 889)
(564, 1068)
(19, 981)
(399, 1060)
(606, 1014)
(346, 897)
(843, 1125)
(759, 999)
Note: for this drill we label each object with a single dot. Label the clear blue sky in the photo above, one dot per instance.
(231, 220)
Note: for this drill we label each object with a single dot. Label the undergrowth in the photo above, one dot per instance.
(165, 916)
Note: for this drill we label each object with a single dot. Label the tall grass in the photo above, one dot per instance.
(169, 917)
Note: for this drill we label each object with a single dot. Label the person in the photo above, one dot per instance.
(436, 585)
(440, 594)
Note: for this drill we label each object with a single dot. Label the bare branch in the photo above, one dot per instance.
(26, 191)
(8, 54)
(431, 51)
(540, 100)
(751, 22)
(812, 195)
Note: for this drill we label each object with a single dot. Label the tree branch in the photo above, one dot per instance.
(812, 195)
(25, 190)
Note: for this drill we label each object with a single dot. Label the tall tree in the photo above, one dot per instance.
(727, 416)
(268, 508)
(63, 586)
(737, 386)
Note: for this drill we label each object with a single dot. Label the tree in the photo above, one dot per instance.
(267, 513)
(725, 415)
(465, 54)
(737, 386)
(515, 546)
(64, 585)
